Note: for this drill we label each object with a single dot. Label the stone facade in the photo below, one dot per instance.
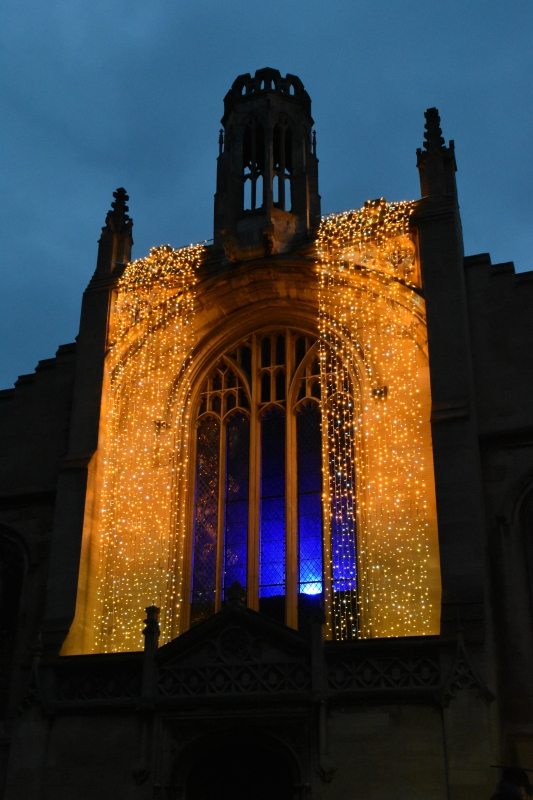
(412, 717)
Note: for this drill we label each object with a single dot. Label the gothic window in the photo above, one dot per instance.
(236, 500)
(221, 489)
(308, 438)
(282, 156)
(253, 162)
(272, 526)
(258, 516)
(206, 519)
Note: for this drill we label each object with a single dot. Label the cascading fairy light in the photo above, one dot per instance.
(372, 328)
(144, 445)
(377, 445)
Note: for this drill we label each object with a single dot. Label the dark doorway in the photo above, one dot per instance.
(243, 768)
(11, 580)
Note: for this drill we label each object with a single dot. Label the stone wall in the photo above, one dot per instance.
(500, 305)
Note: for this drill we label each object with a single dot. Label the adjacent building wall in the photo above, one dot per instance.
(500, 304)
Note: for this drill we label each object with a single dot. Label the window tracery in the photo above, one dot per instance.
(258, 515)
(221, 489)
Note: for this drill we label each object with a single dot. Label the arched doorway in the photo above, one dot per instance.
(243, 767)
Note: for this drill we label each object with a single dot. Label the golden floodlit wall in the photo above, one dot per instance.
(133, 532)
(376, 406)
(373, 338)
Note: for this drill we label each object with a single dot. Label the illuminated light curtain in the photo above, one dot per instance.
(236, 500)
(372, 336)
(272, 516)
(134, 518)
(342, 484)
(309, 455)
(204, 565)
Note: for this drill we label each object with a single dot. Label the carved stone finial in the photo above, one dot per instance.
(436, 162)
(236, 595)
(151, 632)
(116, 240)
(434, 141)
(117, 219)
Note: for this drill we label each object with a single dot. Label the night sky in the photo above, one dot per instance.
(112, 93)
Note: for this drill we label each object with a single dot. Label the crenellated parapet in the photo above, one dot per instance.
(264, 81)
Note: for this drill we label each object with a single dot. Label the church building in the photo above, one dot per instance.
(266, 527)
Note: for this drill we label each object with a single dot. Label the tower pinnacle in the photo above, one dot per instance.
(117, 219)
(115, 243)
(434, 141)
(436, 162)
(267, 199)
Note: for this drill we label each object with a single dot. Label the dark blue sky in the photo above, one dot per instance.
(129, 93)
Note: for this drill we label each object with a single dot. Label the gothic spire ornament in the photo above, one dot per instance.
(116, 240)
(117, 218)
(436, 162)
(434, 141)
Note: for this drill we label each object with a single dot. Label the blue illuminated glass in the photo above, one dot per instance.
(205, 521)
(343, 521)
(309, 500)
(272, 512)
(236, 500)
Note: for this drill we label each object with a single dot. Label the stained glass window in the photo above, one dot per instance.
(205, 520)
(344, 539)
(236, 500)
(272, 516)
(309, 447)
(259, 399)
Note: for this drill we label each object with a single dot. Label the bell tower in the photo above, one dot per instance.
(267, 197)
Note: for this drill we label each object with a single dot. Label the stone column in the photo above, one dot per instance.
(113, 251)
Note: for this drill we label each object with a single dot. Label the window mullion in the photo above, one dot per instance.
(291, 558)
(326, 512)
(221, 503)
(281, 179)
(254, 189)
(185, 611)
(254, 488)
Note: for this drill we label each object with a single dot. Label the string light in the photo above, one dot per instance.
(375, 389)
(140, 516)
(376, 438)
